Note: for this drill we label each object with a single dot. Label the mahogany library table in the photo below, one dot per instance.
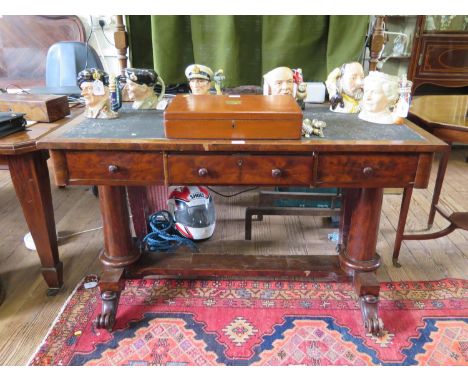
(360, 157)
(30, 177)
(444, 116)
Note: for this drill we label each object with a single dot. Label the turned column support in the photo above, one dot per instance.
(377, 42)
(119, 249)
(121, 43)
(359, 229)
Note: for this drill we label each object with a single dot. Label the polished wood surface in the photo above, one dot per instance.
(30, 177)
(373, 164)
(446, 118)
(240, 169)
(121, 43)
(37, 107)
(442, 115)
(27, 313)
(233, 117)
(438, 58)
(376, 170)
(25, 141)
(24, 43)
(377, 42)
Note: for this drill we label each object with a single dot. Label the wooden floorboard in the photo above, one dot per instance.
(27, 313)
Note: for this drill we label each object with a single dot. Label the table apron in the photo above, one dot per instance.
(322, 169)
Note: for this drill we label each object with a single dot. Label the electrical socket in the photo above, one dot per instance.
(102, 22)
(106, 19)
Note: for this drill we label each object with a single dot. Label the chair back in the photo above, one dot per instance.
(65, 59)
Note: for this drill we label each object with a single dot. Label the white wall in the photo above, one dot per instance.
(106, 51)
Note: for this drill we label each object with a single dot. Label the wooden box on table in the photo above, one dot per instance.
(233, 117)
(37, 107)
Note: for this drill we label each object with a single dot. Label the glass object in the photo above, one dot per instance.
(404, 99)
(399, 45)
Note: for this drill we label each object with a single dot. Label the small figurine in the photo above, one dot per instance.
(345, 87)
(218, 80)
(301, 87)
(279, 81)
(301, 94)
(94, 85)
(314, 127)
(115, 93)
(380, 96)
(141, 88)
(404, 100)
(199, 77)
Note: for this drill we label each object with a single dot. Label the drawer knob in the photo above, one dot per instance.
(113, 168)
(368, 171)
(276, 173)
(202, 171)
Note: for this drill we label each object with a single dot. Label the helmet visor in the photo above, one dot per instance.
(195, 216)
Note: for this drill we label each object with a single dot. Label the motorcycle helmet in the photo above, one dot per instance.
(192, 208)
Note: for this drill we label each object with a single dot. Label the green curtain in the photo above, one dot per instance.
(245, 47)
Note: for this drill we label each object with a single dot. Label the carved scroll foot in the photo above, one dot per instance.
(110, 302)
(369, 309)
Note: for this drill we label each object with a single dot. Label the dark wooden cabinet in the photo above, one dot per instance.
(440, 52)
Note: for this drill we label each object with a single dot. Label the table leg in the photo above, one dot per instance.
(30, 177)
(438, 185)
(405, 203)
(119, 251)
(359, 230)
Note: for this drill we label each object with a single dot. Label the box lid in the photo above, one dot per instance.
(250, 106)
(33, 98)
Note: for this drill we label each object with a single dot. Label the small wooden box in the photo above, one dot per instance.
(37, 107)
(233, 117)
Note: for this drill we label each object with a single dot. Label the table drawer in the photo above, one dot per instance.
(240, 169)
(374, 170)
(114, 167)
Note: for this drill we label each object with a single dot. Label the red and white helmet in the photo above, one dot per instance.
(193, 210)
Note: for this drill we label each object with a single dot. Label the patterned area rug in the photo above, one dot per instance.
(180, 322)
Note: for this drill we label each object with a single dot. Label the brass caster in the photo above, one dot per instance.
(52, 292)
(396, 264)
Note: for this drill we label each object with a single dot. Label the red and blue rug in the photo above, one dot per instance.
(180, 322)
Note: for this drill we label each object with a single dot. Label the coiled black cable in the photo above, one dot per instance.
(164, 236)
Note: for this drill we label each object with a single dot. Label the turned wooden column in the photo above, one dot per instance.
(377, 42)
(119, 250)
(362, 211)
(121, 43)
